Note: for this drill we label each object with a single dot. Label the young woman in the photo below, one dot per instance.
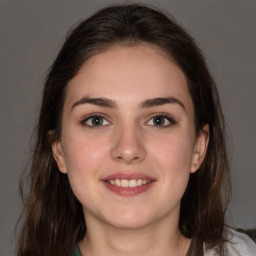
(130, 155)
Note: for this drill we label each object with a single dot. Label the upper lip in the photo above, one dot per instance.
(128, 176)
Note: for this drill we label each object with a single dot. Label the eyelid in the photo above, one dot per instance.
(169, 118)
(87, 117)
(164, 115)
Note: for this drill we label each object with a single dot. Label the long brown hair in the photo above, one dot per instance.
(52, 216)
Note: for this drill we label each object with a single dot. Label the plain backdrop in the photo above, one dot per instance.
(32, 32)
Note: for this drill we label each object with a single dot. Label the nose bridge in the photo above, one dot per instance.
(128, 145)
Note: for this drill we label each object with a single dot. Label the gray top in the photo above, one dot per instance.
(239, 244)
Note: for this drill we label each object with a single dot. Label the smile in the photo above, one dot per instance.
(128, 183)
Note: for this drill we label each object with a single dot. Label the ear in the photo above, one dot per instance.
(200, 148)
(58, 154)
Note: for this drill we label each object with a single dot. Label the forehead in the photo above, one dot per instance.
(129, 73)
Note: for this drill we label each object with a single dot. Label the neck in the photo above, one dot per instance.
(157, 239)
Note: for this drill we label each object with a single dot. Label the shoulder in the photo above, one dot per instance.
(240, 244)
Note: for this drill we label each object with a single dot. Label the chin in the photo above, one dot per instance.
(128, 220)
(128, 224)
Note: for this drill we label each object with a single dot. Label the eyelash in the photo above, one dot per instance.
(90, 117)
(169, 119)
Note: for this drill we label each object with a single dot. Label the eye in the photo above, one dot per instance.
(161, 121)
(95, 121)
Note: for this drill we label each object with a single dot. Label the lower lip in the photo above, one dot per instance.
(128, 191)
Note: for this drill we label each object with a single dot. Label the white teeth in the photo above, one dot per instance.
(139, 182)
(132, 183)
(117, 182)
(128, 183)
(124, 183)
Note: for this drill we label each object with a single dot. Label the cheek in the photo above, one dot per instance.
(84, 157)
(173, 159)
(174, 153)
(175, 163)
(83, 153)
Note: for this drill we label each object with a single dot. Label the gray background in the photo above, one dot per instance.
(31, 33)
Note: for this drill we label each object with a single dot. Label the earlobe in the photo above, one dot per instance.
(200, 148)
(195, 162)
(58, 155)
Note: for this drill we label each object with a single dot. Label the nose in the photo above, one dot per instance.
(128, 146)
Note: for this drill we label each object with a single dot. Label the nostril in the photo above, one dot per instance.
(128, 150)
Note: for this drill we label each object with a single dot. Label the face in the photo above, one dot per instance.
(128, 142)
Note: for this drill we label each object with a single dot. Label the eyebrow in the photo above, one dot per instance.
(104, 102)
(161, 101)
(101, 102)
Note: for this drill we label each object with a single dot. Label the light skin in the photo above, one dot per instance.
(129, 111)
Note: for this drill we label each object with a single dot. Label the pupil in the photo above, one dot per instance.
(96, 121)
(158, 121)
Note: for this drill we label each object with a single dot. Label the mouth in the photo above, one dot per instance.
(128, 184)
